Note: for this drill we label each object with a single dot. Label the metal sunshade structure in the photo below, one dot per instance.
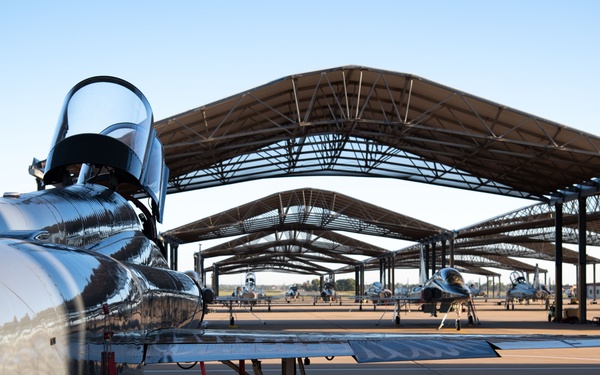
(536, 223)
(284, 231)
(291, 251)
(308, 209)
(297, 224)
(360, 121)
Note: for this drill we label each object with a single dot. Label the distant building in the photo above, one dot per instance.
(571, 291)
(591, 293)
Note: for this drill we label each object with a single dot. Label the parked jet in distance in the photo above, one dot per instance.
(377, 294)
(248, 294)
(475, 291)
(292, 294)
(444, 291)
(377, 290)
(84, 282)
(521, 290)
(328, 293)
(249, 291)
(447, 288)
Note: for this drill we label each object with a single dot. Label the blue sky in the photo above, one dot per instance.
(540, 57)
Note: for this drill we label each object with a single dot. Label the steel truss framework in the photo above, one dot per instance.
(524, 233)
(536, 223)
(309, 209)
(293, 231)
(359, 121)
(290, 226)
(291, 251)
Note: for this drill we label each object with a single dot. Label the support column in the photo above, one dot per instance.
(426, 261)
(594, 291)
(357, 281)
(443, 264)
(452, 252)
(581, 275)
(558, 261)
(393, 272)
(433, 256)
(362, 279)
(173, 256)
(199, 266)
(215, 286)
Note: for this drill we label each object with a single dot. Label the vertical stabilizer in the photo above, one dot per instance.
(422, 274)
(536, 278)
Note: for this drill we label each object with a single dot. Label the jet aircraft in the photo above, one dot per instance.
(475, 291)
(292, 294)
(377, 290)
(377, 294)
(249, 291)
(85, 287)
(248, 294)
(447, 288)
(522, 290)
(444, 291)
(327, 295)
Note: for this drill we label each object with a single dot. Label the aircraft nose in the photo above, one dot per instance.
(463, 289)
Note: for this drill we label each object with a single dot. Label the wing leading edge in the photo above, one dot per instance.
(362, 351)
(170, 346)
(178, 346)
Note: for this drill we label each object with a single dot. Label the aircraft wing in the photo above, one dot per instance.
(228, 299)
(168, 346)
(392, 299)
(171, 346)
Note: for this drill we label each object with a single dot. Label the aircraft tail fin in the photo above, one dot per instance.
(536, 278)
(422, 271)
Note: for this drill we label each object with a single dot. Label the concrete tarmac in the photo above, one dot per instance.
(494, 319)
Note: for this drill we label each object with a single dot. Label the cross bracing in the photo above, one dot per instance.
(536, 222)
(469, 264)
(288, 249)
(304, 268)
(305, 209)
(360, 121)
(318, 240)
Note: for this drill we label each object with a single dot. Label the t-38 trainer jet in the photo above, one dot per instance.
(521, 290)
(247, 295)
(84, 282)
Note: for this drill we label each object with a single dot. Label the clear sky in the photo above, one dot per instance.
(541, 57)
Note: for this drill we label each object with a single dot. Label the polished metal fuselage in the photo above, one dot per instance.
(445, 286)
(526, 291)
(77, 276)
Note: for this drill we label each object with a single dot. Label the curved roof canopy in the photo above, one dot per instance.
(359, 121)
(298, 229)
(305, 209)
(293, 231)
(306, 252)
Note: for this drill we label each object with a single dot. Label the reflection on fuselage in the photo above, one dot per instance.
(53, 292)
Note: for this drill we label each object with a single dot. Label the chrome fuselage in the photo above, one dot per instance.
(446, 286)
(77, 268)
